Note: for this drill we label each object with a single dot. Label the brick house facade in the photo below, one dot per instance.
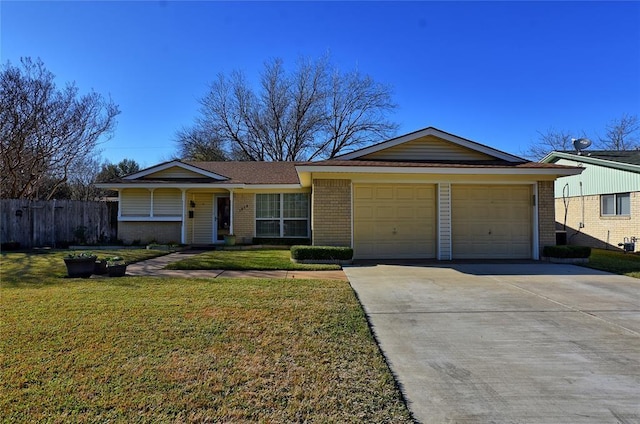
(425, 195)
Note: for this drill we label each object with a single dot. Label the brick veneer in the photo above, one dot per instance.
(244, 220)
(598, 231)
(331, 214)
(161, 232)
(546, 215)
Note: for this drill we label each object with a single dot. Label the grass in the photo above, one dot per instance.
(42, 264)
(145, 349)
(615, 262)
(252, 259)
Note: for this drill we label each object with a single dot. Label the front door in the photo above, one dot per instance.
(222, 216)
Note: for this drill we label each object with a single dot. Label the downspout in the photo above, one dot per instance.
(581, 224)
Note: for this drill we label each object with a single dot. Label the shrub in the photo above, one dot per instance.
(323, 253)
(567, 251)
(281, 241)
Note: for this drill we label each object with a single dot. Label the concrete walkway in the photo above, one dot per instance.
(508, 343)
(154, 267)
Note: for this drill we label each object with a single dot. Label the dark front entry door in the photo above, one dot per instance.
(223, 216)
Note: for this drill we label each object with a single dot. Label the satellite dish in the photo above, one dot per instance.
(581, 144)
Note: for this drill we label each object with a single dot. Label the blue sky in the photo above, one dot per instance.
(493, 72)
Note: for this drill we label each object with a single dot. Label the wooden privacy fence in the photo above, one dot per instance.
(57, 223)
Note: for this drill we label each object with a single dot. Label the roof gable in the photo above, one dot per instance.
(175, 170)
(430, 145)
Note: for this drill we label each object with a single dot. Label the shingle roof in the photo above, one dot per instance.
(253, 172)
(623, 156)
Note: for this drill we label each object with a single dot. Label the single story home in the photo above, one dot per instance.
(428, 194)
(599, 207)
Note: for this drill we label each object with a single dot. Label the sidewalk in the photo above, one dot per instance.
(154, 267)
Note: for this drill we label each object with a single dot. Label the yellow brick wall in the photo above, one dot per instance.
(598, 231)
(161, 232)
(244, 221)
(546, 215)
(331, 213)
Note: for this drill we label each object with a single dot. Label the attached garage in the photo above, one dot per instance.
(394, 221)
(491, 221)
(423, 195)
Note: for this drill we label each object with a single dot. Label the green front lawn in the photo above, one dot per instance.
(39, 265)
(140, 349)
(615, 261)
(251, 259)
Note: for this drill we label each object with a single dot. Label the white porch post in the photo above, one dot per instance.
(151, 205)
(183, 228)
(231, 211)
(119, 204)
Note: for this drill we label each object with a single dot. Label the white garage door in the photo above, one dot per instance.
(491, 221)
(394, 221)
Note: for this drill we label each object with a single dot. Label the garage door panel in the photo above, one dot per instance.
(384, 193)
(363, 193)
(363, 214)
(402, 224)
(491, 221)
(384, 212)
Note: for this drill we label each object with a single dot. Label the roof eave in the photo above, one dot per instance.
(553, 156)
(187, 186)
(436, 170)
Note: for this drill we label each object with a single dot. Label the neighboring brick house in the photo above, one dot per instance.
(599, 207)
(428, 194)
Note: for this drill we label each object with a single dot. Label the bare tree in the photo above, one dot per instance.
(82, 178)
(312, 112)
(357, 112)
(45, 130)
(621, 134)
(549, 141)
(195, 143)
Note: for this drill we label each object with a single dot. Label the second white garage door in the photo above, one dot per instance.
(491, 221)
(394, 221)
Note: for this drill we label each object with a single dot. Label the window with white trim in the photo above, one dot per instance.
(282, 215)
(618, 204)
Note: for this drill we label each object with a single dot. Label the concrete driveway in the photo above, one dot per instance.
(508, 343)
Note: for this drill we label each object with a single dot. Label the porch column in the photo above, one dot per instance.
(120, 204)
(183, 228)
(151, 200)
(231, 213)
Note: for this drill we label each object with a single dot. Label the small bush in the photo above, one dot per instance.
(566, 251)
(323, 253)
(278, 241)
